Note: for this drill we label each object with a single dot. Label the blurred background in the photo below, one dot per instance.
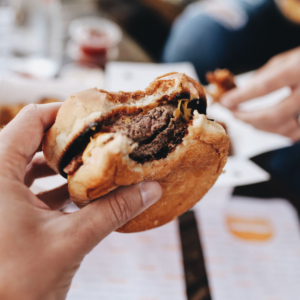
(50, 49)
(40, 38)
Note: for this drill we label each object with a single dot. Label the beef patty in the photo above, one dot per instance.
(156, 133)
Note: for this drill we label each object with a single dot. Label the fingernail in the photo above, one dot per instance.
(151, 191)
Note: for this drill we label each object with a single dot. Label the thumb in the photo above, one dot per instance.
(95, 221)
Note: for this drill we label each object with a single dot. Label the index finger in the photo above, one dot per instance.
(265, 81)
(20, 139)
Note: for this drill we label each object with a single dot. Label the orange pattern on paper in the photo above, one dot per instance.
(251, 229)
(147, 268)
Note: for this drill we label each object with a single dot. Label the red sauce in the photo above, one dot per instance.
(94, 48)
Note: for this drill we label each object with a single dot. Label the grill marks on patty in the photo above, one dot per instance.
(157, 133)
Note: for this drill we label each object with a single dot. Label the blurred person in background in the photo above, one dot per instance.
(242, 35)
(239, 35)
(283, 118)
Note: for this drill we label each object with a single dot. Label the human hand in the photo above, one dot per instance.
(282, 70)
(41, 248)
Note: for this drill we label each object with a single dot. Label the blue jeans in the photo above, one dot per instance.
(284, 166)
(259, 33)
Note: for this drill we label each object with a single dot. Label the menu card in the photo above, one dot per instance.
(137, 266)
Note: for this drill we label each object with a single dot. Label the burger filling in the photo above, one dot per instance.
(156, 132)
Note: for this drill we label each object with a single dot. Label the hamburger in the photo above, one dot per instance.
(102, 140)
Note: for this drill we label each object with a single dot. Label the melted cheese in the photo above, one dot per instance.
(187, 112)
(177, 111)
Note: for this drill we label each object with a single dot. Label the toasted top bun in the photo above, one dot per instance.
(185, 175)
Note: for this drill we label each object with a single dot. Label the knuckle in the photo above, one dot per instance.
(121, 210)
(30, 107)
(273, 59)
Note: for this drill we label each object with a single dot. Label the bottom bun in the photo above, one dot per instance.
(185, 175)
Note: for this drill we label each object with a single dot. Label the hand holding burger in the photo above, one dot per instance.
(41, 248)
